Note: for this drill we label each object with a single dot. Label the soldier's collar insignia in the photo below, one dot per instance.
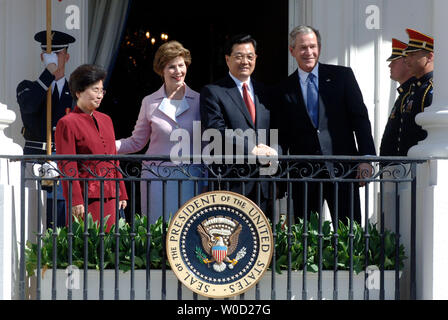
(219, 244)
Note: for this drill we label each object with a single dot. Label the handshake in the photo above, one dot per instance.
(269, 161)
(264, 150)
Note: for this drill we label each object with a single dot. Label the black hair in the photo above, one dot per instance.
(84, 76)
(239, 39)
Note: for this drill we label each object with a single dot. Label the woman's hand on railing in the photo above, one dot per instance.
(78, 211)
(365, 171)
(122, 204)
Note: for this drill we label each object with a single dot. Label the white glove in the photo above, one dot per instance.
(46, 170)
(50, 58)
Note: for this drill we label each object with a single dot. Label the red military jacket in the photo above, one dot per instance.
(76, 134)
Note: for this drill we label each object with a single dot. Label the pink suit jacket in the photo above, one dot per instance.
(156, 126)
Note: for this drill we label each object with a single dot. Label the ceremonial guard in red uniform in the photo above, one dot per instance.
(420, 59)
(399, 71)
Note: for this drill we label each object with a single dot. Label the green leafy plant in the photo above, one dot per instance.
(127, 235)
(327, 238)
(139, 236)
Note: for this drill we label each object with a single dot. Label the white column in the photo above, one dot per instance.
(9, 202)
(435, 118)
(432, 209)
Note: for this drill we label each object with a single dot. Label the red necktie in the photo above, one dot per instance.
(249, 103)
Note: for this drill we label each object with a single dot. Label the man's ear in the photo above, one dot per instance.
(430, 57)
(291, 49)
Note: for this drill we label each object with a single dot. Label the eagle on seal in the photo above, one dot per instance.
(219, 237)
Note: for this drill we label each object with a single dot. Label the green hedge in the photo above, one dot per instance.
(156, 252)
(328, 251)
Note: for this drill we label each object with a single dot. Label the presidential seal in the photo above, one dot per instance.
(219, 244)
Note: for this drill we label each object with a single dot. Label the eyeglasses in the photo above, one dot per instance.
(98, 91)
(239, 57)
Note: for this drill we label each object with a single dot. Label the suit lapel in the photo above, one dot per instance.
(325, 81)
(235, 95)
(257, 89)
(66, 98)
(296, 96)
(326, 86)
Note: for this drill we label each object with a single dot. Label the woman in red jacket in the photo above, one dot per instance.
(86, 131)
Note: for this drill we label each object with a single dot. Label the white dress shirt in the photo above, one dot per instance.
(60, 83)
(240, 83)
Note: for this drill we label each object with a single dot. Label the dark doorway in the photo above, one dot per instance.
(202, 27)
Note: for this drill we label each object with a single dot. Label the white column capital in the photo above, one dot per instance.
(435, 121)
(6, 116)
(7, 146)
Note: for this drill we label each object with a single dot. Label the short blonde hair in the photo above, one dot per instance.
(167, 52)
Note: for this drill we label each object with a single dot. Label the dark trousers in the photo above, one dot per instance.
(346, 202)
(60, 213)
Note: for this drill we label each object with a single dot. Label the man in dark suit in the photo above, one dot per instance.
(239, 102)
(32, 99)
(320, 111)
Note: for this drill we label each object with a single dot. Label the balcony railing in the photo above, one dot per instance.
(321, 247)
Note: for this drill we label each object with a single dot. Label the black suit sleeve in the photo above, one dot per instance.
(211, 113)
(273, 96)
(281, 119)
(216, 115)
(30, 95)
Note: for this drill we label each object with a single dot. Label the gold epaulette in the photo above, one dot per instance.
(426, 92)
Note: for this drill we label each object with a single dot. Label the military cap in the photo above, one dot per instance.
(398, 48)
(419, 41)
(59, 40)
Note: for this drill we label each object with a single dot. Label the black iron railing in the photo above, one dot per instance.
(293, 173)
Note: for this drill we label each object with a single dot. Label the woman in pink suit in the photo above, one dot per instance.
(173, 106)
(87, 131)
